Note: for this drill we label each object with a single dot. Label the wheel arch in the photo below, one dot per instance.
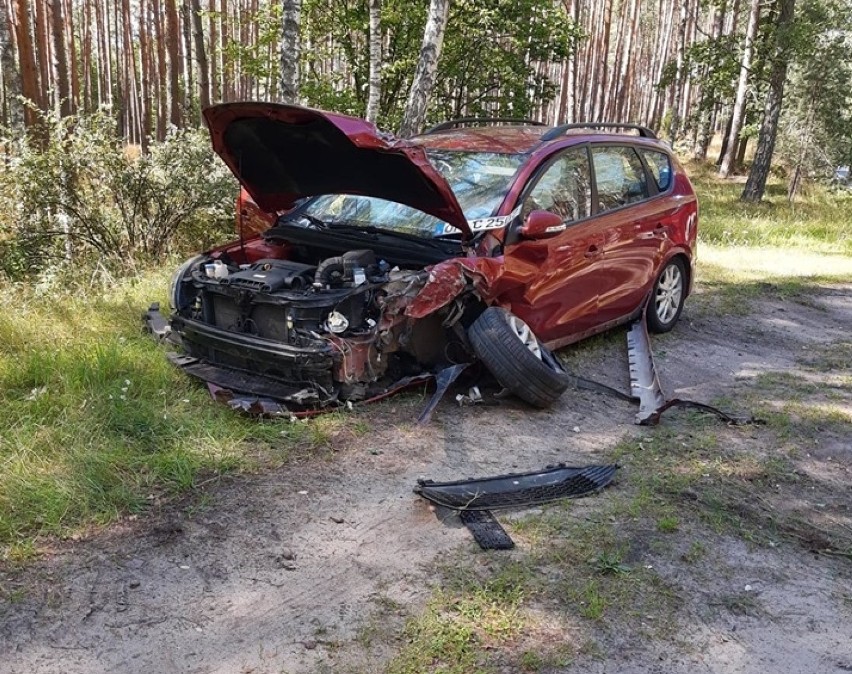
(686, 258)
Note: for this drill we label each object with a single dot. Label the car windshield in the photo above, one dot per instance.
(479, 180)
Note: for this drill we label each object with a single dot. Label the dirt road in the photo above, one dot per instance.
(280, 572)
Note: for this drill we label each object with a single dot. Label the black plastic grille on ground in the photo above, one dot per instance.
(520, 489)
(486, 531)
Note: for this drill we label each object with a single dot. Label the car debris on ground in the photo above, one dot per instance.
(474, 499)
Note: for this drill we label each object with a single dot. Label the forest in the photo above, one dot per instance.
(100, 101)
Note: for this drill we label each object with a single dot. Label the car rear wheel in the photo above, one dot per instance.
(668, 297)
(515, 357)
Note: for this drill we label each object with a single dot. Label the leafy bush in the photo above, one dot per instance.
(75, 193)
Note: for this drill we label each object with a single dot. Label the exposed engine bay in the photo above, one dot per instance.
(317, 329)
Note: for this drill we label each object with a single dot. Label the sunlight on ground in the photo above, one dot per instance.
(755, 263)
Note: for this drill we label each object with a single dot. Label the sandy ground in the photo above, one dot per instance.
(278, 572)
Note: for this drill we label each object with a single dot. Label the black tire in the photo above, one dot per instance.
(537, 379)
(667, 297)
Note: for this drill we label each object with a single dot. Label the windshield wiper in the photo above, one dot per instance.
(377, 231)
(314, 220)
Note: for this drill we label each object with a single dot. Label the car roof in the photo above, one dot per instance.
(521, 138)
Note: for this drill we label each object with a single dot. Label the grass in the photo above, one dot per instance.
(97, 424)
(773, 248)
(817, 223)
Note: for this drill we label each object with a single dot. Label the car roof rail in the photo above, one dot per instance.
(480, 121)
(560, 130)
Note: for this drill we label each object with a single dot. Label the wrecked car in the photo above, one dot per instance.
(481, 240)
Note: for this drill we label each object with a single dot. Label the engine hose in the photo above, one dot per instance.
(327, 266)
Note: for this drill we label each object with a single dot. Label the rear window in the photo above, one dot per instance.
(661, 168)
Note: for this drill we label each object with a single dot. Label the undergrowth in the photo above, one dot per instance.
(98, 424)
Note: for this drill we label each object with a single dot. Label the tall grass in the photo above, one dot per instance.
(95, 421)
(820, 221)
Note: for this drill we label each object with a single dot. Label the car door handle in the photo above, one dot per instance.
(593, 251)
(661, 230)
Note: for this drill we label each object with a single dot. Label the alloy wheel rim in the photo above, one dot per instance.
(523, 332)
(669, 293)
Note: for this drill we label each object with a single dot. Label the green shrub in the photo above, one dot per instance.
(75, 193)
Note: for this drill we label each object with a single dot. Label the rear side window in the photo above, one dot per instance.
(620, 177)
(661, 168)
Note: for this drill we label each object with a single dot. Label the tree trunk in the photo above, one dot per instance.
(375, 61)
(603, 60)
(290, 51)
(677, 86)
(43, 54)
(756, 183)
(162, 76)
(704, 129)
(742, 89)
(172, 42)
(13, 113)
(29, 73)
(186, 56)
(71, 36)
(215, 89)
(147, 81)
(427, 68)
(201, 55)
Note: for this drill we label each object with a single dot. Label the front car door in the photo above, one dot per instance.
(559, 298)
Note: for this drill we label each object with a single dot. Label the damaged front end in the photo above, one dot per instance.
(345, 329)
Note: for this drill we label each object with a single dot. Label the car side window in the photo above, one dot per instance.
(564, 188)
(619, 176)
(660, 166)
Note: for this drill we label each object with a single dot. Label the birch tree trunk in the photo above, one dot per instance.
(427, 67)
(756, 183)
(742, 89)
(375, 61)
(13, 113)
(290, 51)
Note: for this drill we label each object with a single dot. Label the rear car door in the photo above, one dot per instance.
(561, 273)
(636, 234)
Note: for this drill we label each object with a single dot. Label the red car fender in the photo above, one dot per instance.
(448, 279)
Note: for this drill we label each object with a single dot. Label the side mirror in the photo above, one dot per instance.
(542, 225)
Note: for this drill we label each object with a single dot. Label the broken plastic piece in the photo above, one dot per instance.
(644, 383)
(486, 531)
(518, 489)
(155, 323)
(443, 380)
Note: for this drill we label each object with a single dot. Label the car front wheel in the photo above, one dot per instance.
(668, 297)
(513, 354)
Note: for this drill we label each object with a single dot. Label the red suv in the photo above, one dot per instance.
(489, 240)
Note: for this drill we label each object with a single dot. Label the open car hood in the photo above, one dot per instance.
(281, 153)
